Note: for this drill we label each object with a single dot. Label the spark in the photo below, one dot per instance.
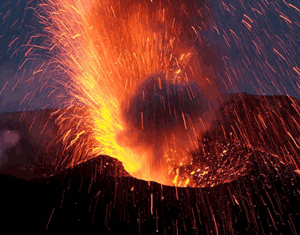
(3, 88)
(285, 18)
(52, 212)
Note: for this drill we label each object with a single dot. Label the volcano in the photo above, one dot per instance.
(247, 183)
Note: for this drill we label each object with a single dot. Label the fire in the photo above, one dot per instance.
(106, 50)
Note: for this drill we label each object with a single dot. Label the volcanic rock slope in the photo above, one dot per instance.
(259, 135)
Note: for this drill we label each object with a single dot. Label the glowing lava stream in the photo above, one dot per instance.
(108, 49)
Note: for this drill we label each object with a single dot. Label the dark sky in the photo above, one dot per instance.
(256, 43)
(260, 41)
(18, 27)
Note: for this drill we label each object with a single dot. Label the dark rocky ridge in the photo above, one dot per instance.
(98, 196)
(78, 200)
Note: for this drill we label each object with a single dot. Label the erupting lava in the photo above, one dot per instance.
(163, 117)
(107, 49)
(138, 100)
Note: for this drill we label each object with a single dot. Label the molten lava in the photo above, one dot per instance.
(107, 51)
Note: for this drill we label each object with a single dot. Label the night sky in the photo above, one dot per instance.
(255, 45)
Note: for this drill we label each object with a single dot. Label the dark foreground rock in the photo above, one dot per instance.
(251, 151)
(83, 200)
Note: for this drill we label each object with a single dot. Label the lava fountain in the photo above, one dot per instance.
(141, 92)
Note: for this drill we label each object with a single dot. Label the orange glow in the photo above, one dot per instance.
(106, 52)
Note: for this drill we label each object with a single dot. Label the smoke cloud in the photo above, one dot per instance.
(162, 111)
(8, 139)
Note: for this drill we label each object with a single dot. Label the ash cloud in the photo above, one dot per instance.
(159, 109)
(160, 105)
